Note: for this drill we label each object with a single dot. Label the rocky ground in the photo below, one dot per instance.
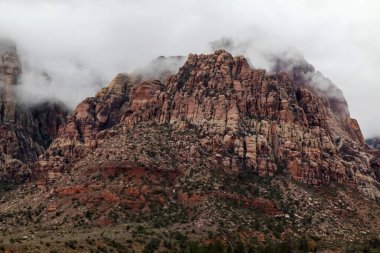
(135, 193)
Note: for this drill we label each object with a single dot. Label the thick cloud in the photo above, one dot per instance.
(72, 47)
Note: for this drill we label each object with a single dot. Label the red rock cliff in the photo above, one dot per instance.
(270, 123)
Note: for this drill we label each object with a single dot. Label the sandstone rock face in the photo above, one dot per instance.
(143, 94)
(270, 123)
(80, 132)
(24, 131)
(18, 152)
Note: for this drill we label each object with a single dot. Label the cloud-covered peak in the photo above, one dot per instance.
(81, 45)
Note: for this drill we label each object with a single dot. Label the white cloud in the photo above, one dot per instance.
(82, 43)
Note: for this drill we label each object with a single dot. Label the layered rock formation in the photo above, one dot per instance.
(267, 123)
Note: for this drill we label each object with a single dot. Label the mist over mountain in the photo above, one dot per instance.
(189, 126)
(81, 44)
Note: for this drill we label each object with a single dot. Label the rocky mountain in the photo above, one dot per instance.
(267, 122)
(218, 154)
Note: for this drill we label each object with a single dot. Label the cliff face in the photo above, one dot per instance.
(24, 131)
(269, 122)
(266, 123)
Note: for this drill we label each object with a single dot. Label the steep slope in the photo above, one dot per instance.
(219, 151)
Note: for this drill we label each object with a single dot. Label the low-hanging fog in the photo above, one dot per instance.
(70, 48)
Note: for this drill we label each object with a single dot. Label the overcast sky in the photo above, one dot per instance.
(82, 44)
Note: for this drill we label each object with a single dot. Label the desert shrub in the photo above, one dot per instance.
(72, 244)
(153, 245)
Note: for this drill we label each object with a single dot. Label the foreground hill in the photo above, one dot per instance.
(218, 154)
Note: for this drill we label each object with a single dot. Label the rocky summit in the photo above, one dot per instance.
(217, 156)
